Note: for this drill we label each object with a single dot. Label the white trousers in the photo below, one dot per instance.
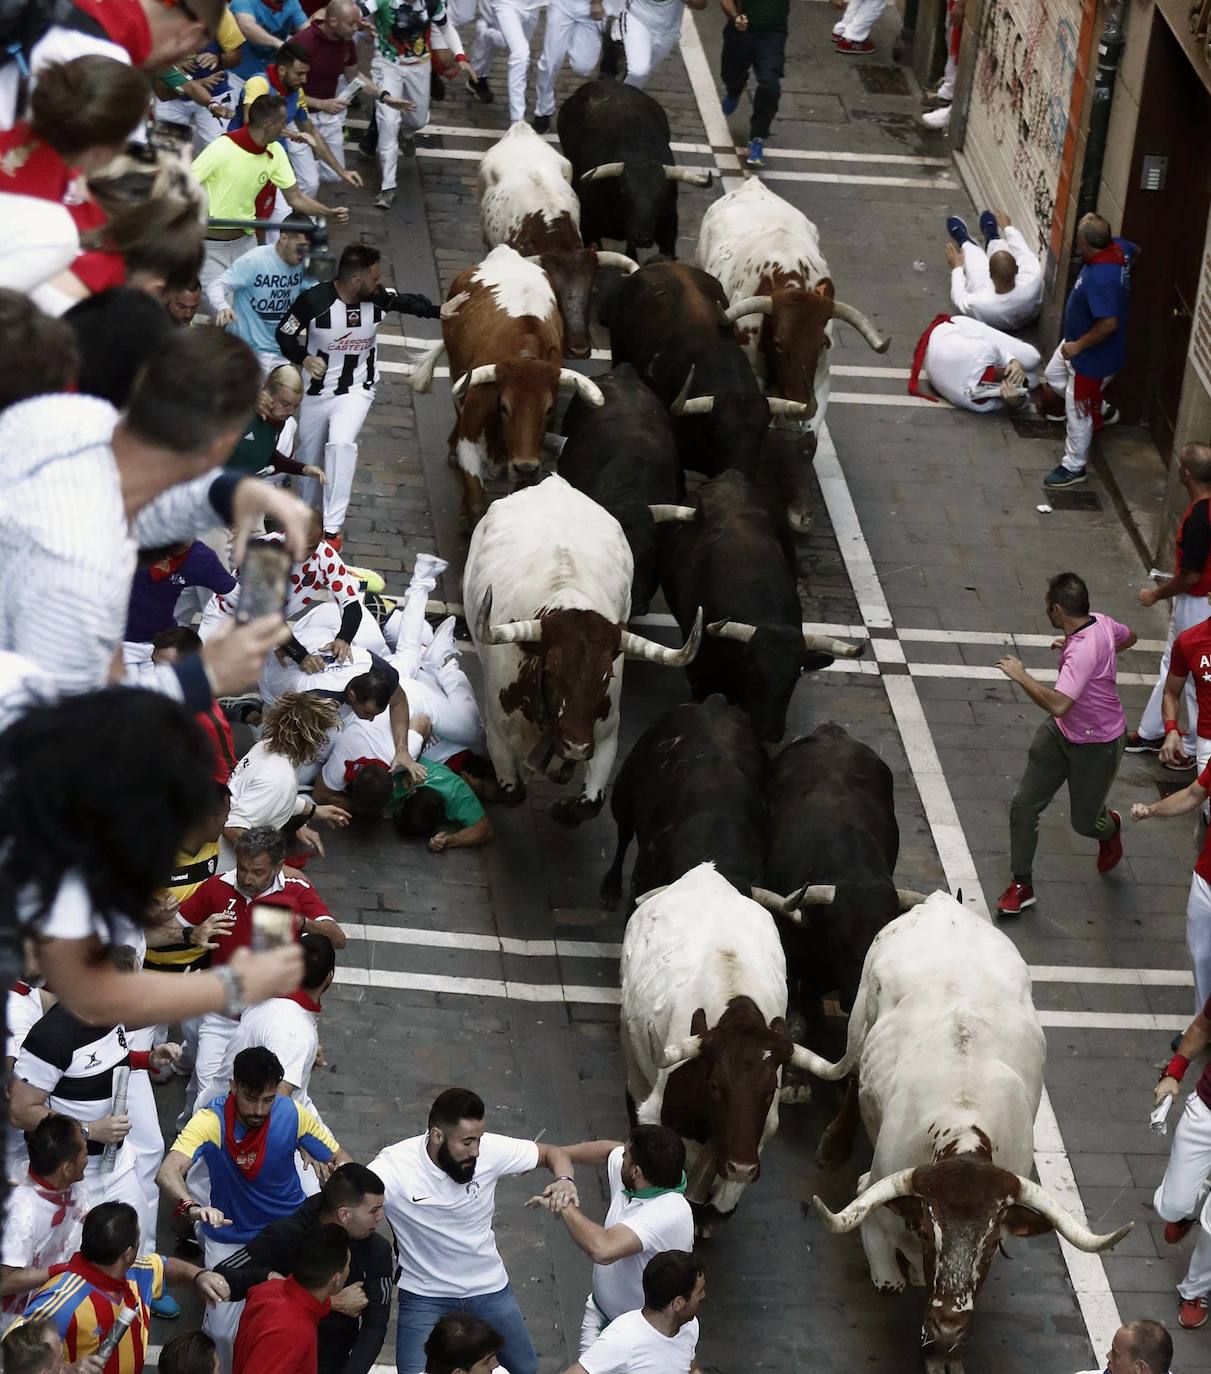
(306, 171)
(206, 128)
(1186, 611)
(404, 81)
(573, 34)
(222, 1322)
(1183, 1190)
(1078, 427)
(649, 33)
(1198, 937)
(146, 1140)
(328, 430)
(332, 128)
(517, 24)
(214, 1035)
(98, 1187)
(859, 18)
(221, 253)
(488, 41)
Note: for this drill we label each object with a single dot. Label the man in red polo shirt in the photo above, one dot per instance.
(278, 1326)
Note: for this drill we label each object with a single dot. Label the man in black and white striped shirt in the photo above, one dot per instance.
(83, 488)
(330, 332)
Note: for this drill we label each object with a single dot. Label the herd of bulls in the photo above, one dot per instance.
(761, 885)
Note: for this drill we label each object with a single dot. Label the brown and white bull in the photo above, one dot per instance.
(949, 1055)
(503, 337)
(767, 256)
(547, 591)
(704, 1036)
(526, 200)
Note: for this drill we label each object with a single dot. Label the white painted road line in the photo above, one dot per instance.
(1119, 977)
(936, 183)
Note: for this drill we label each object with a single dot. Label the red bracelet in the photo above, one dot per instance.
(182, 1207)
(1176, 1067)
(1170, 725)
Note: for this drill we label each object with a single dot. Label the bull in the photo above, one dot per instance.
(704, 1039)
(617, 140)
(949, 1053)
(692, 790)
(527, 201)
(669, 321)
(623, 454)
(736, 562)
(502, 334)
(547, 592)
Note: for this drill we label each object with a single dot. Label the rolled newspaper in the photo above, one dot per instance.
(121, 1083)
(122, 1324)
(1156, 1118)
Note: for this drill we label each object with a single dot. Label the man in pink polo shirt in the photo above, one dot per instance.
(1080, 742)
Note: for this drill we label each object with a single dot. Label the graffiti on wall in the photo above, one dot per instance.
(1027, 60)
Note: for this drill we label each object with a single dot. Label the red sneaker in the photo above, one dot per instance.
(1192, 1313)
(1175, 1231)
(334, 539)
(1015, 899)
(836, 37)
(1110, 851)
(845, 45)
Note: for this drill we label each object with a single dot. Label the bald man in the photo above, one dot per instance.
(1000, 284)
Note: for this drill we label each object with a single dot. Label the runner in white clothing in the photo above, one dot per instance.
(517, 20)
(974, 366)
(573, 32)
(1000, 284)
(649, 30)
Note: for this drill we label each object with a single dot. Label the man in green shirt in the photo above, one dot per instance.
(435, 807)
(268, 442)
(754, 37)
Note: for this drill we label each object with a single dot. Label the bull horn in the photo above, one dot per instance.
(774, 902)
(669, 515)
(638, 647)
(749, 305)
(604, 172)
(731, 629)
(690, 175)
(825, 644)
(585, 389)
(512, 632)
(779, 406)
(605, 258)
(1031, 1194)
(696, 405)
(553, 444)
(886, 1190)
(681, 1050)
(478, 376)
(810, 1062)
(855, 318)
(908, 898)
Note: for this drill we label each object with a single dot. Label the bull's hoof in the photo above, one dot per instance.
(793, 1094)
(512, 795)
(560, 771)
(708, 1219)
(833, 1150)
(574, 811)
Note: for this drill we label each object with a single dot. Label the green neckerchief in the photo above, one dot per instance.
(643, 1194)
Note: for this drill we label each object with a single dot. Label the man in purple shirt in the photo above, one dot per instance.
(161, 577)
(1080, 742)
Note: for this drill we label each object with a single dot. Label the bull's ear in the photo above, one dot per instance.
(910, 1210)
(824, 287)
(778, 1026)
(1025, 1221)
(698, 1022)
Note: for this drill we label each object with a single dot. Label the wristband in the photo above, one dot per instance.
(182, 1208)
(1176, 1067)
(564, 1178)
(1170, 726)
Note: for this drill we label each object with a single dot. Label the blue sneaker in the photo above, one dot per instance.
(730, 103)
(989, 227)
(166, 1308)
(957, 230)
(1060, 479)
(756, 153)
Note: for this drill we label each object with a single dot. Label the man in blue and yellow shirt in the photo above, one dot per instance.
(248, 1139)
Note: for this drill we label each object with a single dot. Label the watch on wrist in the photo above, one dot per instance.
(233, 990)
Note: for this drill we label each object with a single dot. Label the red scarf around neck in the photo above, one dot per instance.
(1111, 253)
(60, 1197)
(918, 357)
(263, 205)
(248, 1154)
(165, 568)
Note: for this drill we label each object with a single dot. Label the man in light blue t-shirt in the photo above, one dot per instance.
(265, 26)
(254, 293)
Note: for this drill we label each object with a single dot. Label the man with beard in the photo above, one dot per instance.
(441, 1193)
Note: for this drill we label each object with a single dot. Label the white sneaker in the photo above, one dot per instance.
(937, 119)
(428, 568)
(443, 648)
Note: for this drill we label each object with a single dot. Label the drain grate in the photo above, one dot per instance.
(1074, 500)
(880, 80)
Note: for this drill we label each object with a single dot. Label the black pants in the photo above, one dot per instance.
(762, 53)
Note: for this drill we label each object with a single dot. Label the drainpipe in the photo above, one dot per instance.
(902, 50)
(1109, 55)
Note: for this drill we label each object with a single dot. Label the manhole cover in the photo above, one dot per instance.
(1036, 428)
(1074, 500)
(880, 80)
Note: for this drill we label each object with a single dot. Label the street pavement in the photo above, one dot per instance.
(496, 969)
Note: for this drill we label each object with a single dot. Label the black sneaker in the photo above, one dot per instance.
(541, 124)
(481, 91)
(1137, 744)
(437, 87)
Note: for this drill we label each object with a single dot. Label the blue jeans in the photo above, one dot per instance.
(417, 1315)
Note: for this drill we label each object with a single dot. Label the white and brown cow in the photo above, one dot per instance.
(503, 337)
(767, 256)
(949, 1055)
(526, 200)
(547, 591)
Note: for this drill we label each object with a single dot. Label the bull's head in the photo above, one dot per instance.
(517, 397)
(644, 188)
(773, 657)
(961, 1208)
(564, 688)
(571, 274)
(738, 421)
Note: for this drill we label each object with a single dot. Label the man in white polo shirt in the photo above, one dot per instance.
(661, 1336)
(648, 1214)
(441, 1197)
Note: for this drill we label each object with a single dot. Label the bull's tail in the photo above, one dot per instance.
(421, 376)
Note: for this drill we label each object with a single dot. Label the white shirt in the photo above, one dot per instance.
(288, 1029)
(958, 354)
(443, 1230)
(632, 1345)
(22, 1011)
(1013, 308)
(33, 1240)
(660, 1223)
(359, 739)
(264, 790)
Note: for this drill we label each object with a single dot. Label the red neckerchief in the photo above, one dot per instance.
(273, 76)
(1111, 253)
(125, 23)
(918, 356)
(61, 1197)
(116, 1290)
(989, 375)
(354, 766)
(304, 1000)
(262, 207)
(165, 568)
(248, 1154)
(21, 989)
